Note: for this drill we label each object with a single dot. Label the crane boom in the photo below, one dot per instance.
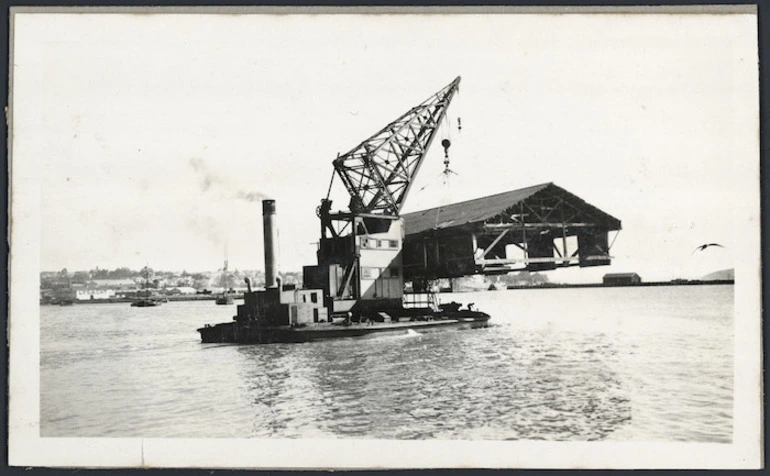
(378, 172)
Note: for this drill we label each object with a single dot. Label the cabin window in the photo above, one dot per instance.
(314, 299)
(389, 272)
(393, 243)
(369, 272)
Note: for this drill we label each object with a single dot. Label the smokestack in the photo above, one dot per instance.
(271, 242)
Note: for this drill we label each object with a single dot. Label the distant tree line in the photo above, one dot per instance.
(235, 278)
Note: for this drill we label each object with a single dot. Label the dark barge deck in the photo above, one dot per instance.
(233, 332)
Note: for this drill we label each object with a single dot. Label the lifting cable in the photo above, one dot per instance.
(328, 192)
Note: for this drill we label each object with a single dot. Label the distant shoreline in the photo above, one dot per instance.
(647, 284)
(211, 297)
(193, 297)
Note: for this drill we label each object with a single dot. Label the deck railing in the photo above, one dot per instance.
(421, 300)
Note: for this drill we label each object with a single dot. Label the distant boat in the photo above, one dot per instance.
(145, 302)
(497, 285)
(225, 298)
(148, 300)
(66, 302)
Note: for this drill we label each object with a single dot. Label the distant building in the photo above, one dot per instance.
(183, 290)
(125, 283)
(621, 279)
(88, 294)
(525, 278)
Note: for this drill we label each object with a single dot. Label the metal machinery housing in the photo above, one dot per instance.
(359, 253)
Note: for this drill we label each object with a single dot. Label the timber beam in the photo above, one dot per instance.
(503, 226)
(350, 216)
(503, 261)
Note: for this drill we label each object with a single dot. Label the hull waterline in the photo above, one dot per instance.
(232, 332)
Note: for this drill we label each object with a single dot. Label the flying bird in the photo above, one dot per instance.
(707, 245)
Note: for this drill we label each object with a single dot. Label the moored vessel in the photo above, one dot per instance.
(145, 302)
(147, 298)
(224, 299)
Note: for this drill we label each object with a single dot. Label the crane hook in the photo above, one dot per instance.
(447, 171)
(446, 143)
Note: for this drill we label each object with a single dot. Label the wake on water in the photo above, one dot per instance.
(410, 333)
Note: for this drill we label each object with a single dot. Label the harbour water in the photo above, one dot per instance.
(641, 364)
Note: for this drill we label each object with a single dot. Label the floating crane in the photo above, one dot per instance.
(360, 249)
(359, 276)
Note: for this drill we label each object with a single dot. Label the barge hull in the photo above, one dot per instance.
(238, 334)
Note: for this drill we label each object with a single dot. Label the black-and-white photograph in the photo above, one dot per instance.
(385, 229)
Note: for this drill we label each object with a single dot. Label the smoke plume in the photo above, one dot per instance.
(251, 196)
(211, 181)
(207, 177)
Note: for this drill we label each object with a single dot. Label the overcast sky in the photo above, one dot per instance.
(155, 136)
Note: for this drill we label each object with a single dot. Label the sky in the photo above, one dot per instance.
(151, 139)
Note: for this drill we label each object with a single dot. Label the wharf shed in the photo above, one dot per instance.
(537, 228)
(621, 279)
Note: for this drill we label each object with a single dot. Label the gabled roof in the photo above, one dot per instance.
(621, 275)
(484, 208)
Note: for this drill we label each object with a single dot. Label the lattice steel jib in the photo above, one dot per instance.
(379, 171)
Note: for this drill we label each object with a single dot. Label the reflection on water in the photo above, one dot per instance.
(441, 385)
(565, 364)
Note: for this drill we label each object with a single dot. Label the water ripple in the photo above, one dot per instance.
(646, 364)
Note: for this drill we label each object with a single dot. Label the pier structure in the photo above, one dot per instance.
(547, 227)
